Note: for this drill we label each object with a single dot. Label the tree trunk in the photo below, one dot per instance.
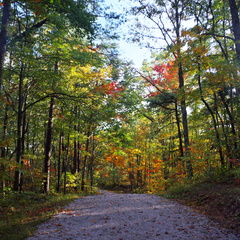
(59, 161)
(179, 130)
(76, 154)
(3, 149)
(236, 26)
(85, 162)
(66, 167)
(178, 18)
(18, 175)
(91, 164)
(48, 143)
(3, 37)
(219, 147)
(236, 31)
(232, 124)
(189, 169)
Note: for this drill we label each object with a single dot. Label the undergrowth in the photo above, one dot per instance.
(21, 213)
(217, 195)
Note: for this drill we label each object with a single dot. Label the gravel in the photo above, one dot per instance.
(112, 216)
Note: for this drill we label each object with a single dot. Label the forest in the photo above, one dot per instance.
(75, 116)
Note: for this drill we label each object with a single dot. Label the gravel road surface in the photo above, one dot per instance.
(112, 216)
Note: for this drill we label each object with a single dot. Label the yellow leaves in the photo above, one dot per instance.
(134, 151)
(85, 79)
(89, 74)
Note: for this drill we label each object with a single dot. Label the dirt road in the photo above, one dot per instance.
(111, 216)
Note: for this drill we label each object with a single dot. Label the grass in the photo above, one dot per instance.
(21, 213)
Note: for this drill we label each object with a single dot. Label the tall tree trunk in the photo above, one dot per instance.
(59, 161)
(76, 152)
(3, 37)
(236, 26)
(179, 130)
(236, 31)
(91, 162)
(189, 169)
(85, 161)
(178, 19)
(48, 143)
(18, 175)
(66, 167)
(3, 149)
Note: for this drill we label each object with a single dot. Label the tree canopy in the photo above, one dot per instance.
(74, 115)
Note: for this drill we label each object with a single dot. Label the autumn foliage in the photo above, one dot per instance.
(166, 75)
(92, 118)
(111, 89)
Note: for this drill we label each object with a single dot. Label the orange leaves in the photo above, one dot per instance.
(26, 162)
(116, 159)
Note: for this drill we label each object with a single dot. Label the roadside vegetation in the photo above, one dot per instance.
(21, 213)
(216, 196)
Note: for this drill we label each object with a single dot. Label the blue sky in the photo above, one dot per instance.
(132, 51)
(127, 50)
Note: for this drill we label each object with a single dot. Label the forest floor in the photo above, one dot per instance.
(218, 201)
(124, 216)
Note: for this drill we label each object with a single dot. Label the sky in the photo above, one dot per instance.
(129, 51)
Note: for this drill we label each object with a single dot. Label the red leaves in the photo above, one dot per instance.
(234, 161)
(166, 77)
(152, 94)
(166, 70)
(110, 89)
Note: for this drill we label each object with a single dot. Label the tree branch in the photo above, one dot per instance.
(29, 30)
(217, 35)
(145, 115)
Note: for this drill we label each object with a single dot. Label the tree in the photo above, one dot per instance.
(166, 95)
(174, 12)
(38, 23)
(3, 36)
(235, 26)
(211, 31)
